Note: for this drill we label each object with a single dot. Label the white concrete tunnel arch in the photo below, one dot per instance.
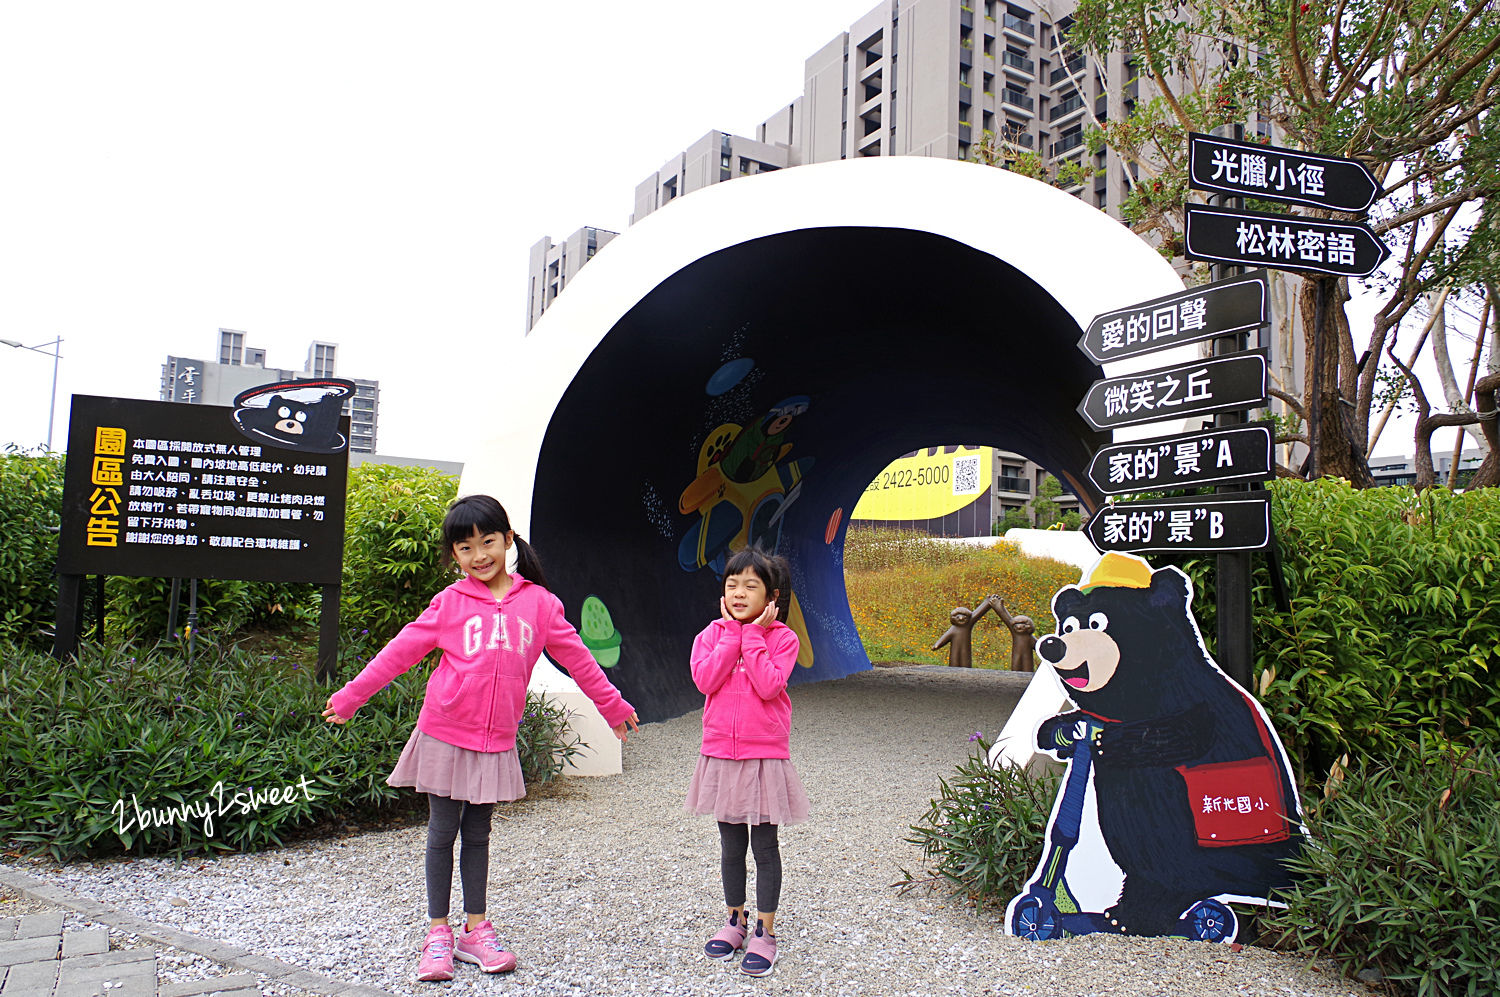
(1061, 248)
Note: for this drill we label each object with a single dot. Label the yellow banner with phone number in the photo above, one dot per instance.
(928, 484)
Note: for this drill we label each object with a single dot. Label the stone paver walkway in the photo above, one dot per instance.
(39, 957)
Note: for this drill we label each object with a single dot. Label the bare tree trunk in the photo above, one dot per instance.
(1488, 475)
(1474, 431)
(1336, 448)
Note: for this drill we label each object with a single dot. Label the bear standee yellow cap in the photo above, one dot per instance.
(1119, 571)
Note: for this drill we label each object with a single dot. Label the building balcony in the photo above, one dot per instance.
(1018, 65)
(1019, 27)
(1067, 109)
(1018, 486)
(965, 132)
(1018, 100)
(1068, 144)
(966, 17)
(1024, 140)
(1067, 69)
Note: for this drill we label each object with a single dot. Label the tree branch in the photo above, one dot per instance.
(1362, 60)
(1452, 35)
(1455, 199)
(1292, 402)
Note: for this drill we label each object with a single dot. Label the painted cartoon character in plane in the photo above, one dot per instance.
(744, 486)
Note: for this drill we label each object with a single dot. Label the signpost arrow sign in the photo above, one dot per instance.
(1207, 523)
(1222, 308)
(1272, 173)
(1284, 242)
(1239, 453)
(1218, 384)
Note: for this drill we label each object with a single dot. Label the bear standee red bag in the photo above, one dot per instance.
(1239, 802)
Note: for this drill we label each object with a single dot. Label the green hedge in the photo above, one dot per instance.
(390, 571)
(116, 727)
(1405, 875)
(391, 567)
(30, 510)
(1393, 628)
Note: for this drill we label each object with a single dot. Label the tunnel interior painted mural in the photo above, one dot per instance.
(751, 397)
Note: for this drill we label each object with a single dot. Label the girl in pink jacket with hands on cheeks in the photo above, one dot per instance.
(491, 626)
(745, 778)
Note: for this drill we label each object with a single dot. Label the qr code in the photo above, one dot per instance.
(966, 476)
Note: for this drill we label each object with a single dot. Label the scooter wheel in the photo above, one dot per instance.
(1035, 920)
(1211, 921)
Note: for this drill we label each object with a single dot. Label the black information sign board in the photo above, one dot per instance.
(1272, 173)
(1222, 308)
(1217, 384)
(1284, 242)
(1187, 460)
(174, 490)
(1205, 523)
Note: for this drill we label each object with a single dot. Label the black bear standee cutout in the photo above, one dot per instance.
(297, 415)
(1191, 793)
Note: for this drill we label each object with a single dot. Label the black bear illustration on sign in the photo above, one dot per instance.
(1192, 793)
(297, 415)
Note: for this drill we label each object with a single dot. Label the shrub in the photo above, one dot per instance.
(982, 837)
(139, 606)
(116, 727)
(902, 586)
(1405, 877)
(391, 565)
(1393, 630)
(30, 511)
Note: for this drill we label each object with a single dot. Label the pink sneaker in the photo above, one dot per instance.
(482, 948)
(729, 940)
(760, 952)
(437, 954)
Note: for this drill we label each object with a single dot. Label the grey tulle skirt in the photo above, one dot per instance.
(747, 791)
(442, 769)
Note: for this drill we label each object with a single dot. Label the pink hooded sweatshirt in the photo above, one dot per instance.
(477, 692)
(743, 668)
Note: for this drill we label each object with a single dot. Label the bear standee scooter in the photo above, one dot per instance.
(1048, 909)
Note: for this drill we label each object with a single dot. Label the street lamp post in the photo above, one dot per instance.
(56, 355)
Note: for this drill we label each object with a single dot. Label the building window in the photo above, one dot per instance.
(669, 190)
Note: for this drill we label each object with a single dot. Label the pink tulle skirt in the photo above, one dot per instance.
(747, 791)
(442, 769)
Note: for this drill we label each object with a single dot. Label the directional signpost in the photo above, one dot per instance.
(1223, 308)
(1187, 460)
(1287, 242)
(1200, 523)
(1272, 173)
(1217, 384)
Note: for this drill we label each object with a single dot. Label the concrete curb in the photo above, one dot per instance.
(28, 885)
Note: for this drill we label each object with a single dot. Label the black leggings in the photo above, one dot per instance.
(444, 817)
(761, 838)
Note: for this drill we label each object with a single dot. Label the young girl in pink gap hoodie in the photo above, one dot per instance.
(491, 625)
(745, 778)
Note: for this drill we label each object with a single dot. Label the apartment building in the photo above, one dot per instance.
(956, 79)
(554, 264)
(237, 367)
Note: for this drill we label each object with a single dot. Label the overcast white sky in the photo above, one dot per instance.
(367, 173)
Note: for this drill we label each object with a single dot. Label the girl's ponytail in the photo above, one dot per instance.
(528, 564)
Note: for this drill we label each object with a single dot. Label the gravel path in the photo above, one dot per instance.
(605, 887)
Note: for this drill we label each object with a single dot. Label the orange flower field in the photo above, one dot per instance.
(902, 586)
